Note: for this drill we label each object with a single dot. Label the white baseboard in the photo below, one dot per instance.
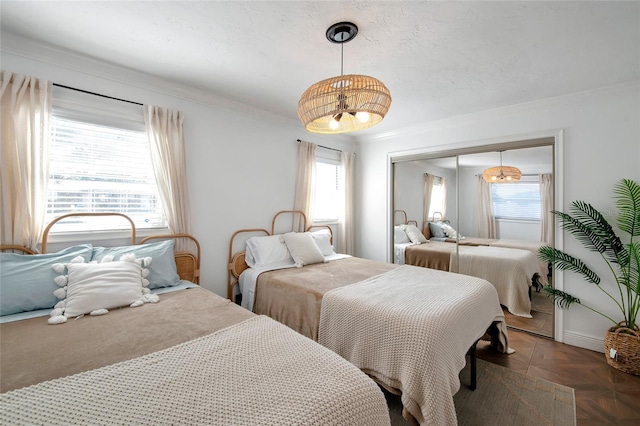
(584, 341)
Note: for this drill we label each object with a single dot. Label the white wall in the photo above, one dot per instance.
(241, 161)
(601, 142)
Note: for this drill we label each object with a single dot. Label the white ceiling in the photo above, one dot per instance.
(438, 59)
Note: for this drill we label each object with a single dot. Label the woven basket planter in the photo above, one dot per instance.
(626, 343)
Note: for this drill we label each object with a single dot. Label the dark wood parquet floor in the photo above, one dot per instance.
(604, 395)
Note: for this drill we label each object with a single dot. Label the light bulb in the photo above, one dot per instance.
(494, 177)
(334, 124)
(509, 177)
(363, 116)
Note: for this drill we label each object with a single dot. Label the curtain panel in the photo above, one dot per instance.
(304, 183)
(426, 204)
(486, 217)
(546, 204)
(166, 141)
(24, 160)
(346, 240)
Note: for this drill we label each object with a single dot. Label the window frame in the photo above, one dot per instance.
(93, 109)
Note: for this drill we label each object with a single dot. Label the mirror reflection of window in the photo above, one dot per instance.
(438, 202)
(516, 201)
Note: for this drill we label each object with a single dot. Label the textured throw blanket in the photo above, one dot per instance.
(255, 372)
(410, 329)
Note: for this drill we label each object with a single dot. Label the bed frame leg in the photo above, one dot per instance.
(472, 365)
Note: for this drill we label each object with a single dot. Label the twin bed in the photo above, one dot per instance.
(192, 357)
(512, 266)
(409, 328)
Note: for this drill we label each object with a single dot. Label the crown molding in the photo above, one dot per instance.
(29, 49)
(480, 116)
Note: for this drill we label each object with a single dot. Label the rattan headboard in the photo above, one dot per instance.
(14, 248)
(237, 263)
(45, 234)
(187, 263)
(405, 220)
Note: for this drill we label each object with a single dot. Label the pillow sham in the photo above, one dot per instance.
(162, 273)
(399, 236)
(436, 230)
(303, 248)
(266, 251)
(414, 234)
(93, 288)
(26, 281)
(323, 241)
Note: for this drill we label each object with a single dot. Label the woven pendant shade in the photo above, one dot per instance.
(345, 103)
(343, 97)
(502, 174)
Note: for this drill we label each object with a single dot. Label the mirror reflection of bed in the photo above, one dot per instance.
(490, 230)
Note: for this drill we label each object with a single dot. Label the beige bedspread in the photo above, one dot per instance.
(293, 296)
(254, 372)
(509, 270)
(410, 329)
(434, 255)
(533, 247)
(92, 342)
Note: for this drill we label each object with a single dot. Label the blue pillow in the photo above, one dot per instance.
(162, 271)
(26, 281)
(436, 230)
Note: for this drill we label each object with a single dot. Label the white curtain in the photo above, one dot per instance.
(546, 204)
(486, 218)
(443, 200)
(166, 141)
(428, 190)
(24, 160)
(346, 239)
(304, 183)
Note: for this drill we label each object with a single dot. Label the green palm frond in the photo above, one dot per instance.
(599, 229)
(583, 232)
(627, 194)
(566, 262)
(562, 299)
(634, 267)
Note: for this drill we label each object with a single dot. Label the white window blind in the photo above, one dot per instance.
(100, 162)
(516, 201)
(326, 201)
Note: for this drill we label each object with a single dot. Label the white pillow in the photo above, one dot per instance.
(399, 236)
(93, 288)
(265, 251)
(414, 234)
(303, 248)
(449, 231)
(323, 241)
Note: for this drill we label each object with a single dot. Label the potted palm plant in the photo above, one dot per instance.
(621, 255)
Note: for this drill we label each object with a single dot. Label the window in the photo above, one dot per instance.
(516, 201)
(326, 200)
(438, 198)
(100, 162)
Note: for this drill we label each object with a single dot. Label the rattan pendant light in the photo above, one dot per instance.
(345, 103)
(502, 174)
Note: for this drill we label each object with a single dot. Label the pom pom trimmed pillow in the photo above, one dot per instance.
(93, 288)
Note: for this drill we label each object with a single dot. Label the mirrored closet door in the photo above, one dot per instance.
(489, 226)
